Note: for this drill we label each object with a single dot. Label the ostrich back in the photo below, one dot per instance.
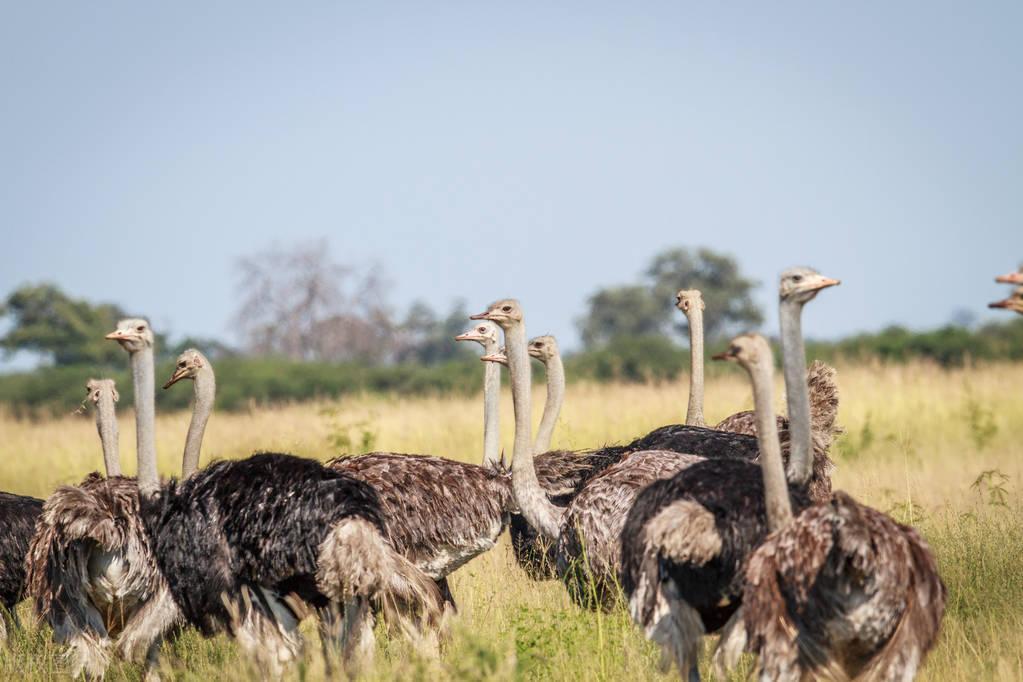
(589, 545)
(257, 522)
(862, 590)
(732, 492)
(440, 513)
(18, 516)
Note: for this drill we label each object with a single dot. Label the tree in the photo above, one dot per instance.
(726, 293)
(298, 303)
(45, 320)
(623, 311)
(647, 309)
(427, 339)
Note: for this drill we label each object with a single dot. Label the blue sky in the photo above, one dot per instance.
(479, 151)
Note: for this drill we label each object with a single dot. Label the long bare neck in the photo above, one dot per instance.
(776, 493)
(145, 415)
(694, 414)
(530, 497)
(491, 408)
(205, 392)
(797, 396)
(551, 408)
(106, 424)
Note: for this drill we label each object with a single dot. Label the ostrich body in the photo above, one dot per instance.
(861, 590)
(585, 534)
(249, 546)
(1013, 302)
(687, 538)
(91, 568)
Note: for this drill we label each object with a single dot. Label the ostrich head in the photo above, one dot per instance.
(499, 357)
(689, 299)
(1011, 278)
(749, 350)
(483, 332)
(95, 388)
(1013, 302)
(133, 334)
(506, 313)
(189, 363)
(801, 284)
(543, 348)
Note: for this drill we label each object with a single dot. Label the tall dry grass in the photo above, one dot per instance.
(940, 449)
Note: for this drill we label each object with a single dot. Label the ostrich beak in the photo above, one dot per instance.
(1011, 278)
(467, 336)
(495, 357)
(721, 356)
(1000, 304)
(824, 283)
(480, 316)
(178, 375)
(118, 335)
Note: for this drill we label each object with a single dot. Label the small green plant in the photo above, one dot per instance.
(991, 487)
(908, 512)
(981, 421)
(353, 437)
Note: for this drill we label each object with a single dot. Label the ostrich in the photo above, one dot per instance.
(103, 394)
(545, 349)
(585, 533)
(248, 546)
(690, 302)
(675, 592)
(18, 515)
(687, 536)
(487, 335)
(91, 569)
(1013, 302)
(192, 364)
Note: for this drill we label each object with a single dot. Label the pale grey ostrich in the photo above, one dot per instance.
(545, 349)
(489, 336)
(690, 302)
(585, 534)
(676, 593)
(1013, 302)
(192, 364)
(91, 568)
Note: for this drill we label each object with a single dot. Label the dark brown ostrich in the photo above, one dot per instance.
(18, 515)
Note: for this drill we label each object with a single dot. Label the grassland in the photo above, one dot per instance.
(940, 449)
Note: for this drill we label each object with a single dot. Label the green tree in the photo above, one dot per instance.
(43, 319)
(623, 311)
(726, 292)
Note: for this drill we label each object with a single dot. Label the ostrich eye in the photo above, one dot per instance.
(482, 330)
(181, 364)
(797, 278)
(506, 308)
(140, 328)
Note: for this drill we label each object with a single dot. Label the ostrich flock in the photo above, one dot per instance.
(730, 529)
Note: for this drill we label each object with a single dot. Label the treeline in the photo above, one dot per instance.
(243, 382)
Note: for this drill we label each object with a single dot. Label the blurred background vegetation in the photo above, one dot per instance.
(309, 327)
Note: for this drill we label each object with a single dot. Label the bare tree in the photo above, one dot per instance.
(300, 304)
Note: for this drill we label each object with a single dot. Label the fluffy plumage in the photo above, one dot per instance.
(704, 592)
(843, 591)
(91, 571)
(18, 516)
(245, 544)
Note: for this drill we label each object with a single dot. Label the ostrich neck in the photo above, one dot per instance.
(145, 415)
(205, 391)
(796, 395)
(491, 409)
(530, 497)
(106, 424)
(552, 408)
(776, 494)
(694, 414)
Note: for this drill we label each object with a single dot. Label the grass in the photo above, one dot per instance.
(939, 449)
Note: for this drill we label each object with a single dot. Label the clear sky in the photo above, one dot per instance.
(482, 151)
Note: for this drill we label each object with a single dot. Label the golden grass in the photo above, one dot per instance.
(917, 440)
